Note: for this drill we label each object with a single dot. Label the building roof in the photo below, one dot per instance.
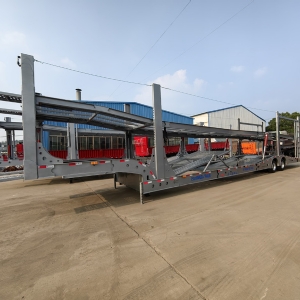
(136, 103)
(211, 111)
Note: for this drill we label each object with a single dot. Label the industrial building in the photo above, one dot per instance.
(92, 137)
(235, 117)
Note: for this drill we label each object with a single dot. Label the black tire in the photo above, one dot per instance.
(282, 165)
(273, 166)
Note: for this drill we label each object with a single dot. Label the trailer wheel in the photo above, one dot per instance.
(273, 166)
(282, 165)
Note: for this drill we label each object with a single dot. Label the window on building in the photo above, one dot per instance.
(58, 142)
(100, 142)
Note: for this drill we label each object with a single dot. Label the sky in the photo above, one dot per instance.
(214, 49)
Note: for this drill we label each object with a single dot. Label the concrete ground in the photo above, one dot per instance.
(236, 238)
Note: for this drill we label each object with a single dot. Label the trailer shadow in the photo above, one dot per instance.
(125, 196)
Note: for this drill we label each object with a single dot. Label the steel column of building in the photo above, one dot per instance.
(277, 134)
(158, 132)
(29, 117)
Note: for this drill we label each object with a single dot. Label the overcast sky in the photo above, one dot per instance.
(253, 59)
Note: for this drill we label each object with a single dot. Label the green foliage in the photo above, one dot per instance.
(284, 124)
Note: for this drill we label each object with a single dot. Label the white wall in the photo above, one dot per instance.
(201, 118)
(229, 117)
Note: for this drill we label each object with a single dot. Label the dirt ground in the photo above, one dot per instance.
(236, 238)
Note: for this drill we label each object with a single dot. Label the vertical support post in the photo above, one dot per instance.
(265, 143)
(128, 137)
(298, 136)
(239, 124)
(295, 138)
(141, 193)
(277, 134)
(262, 126)
(71, 141)
(230, 147)
(202, 144)
(72, 134)
(182, 145)
(115, 180)
(9, 140)
(29, 117)
(209, 144)
(240, 147)
(14, 154)
(128, 145)
(158, 131)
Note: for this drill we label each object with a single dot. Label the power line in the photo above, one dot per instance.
(214, 30)
(153, 45)
(215, 100)
(206, 36)
(166, 88)
(90, 74)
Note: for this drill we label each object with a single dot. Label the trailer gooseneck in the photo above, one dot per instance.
(146, 176)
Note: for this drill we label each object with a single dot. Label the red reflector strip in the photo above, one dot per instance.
(152, 174)
(173, 178)
(75, 164)
(147, 182)
(104, 161)
(124, 160)
(160, 180)
(46, 167)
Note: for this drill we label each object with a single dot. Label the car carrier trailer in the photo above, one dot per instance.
(146, 176)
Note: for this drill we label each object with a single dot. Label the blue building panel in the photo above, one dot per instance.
(135, 108)
(45, 139)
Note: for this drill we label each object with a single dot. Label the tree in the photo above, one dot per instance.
(284, 125)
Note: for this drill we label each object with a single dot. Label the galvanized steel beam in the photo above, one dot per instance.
(29, 117)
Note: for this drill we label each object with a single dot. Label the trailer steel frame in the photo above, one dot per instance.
(157, 173)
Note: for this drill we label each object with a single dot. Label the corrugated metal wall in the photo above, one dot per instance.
(116, 106)
(201, 120)
(227, 118)
(135, 108)
(147, 111)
